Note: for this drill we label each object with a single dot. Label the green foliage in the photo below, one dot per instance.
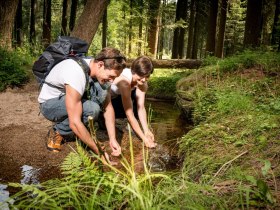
(12, 72)
(269, 61)
(236, 116)
(86, 186)
(163, 82)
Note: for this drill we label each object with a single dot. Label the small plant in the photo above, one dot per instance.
(163, 82)
(86, 186)
(11, 71)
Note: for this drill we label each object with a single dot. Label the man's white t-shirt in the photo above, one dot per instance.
(66, 72)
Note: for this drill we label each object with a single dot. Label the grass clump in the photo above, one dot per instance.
(162, 83)
(268, 61)
(87, 186)
(12, 71)
(235, 141)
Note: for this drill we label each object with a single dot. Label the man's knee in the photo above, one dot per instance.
(90, 108)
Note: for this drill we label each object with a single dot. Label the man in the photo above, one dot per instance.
(62, 98)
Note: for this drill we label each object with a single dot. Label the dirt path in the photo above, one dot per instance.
(22, 136)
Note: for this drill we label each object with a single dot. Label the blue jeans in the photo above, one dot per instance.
(55, 109)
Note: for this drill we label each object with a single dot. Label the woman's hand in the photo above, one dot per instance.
(150, 139)
(149, 135)
(149, 143)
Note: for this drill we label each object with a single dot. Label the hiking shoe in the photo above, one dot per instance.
(54, 141)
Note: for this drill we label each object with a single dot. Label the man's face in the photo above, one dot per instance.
(107, 75)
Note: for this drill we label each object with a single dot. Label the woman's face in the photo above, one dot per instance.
(140, 80)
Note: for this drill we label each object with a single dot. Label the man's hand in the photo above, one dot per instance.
(116, 149)
(106, 160)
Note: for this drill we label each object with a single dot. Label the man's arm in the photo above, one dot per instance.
(74, 109)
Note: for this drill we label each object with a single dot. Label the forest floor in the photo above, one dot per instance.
(23, 135)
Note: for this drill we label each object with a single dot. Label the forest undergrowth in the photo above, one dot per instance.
(235, 144)
(231, 156)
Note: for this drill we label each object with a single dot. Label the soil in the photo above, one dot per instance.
(23, 134)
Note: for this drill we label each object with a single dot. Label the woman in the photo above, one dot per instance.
(128, 99)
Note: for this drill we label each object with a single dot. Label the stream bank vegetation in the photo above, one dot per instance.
(235, 144)
(231, 156)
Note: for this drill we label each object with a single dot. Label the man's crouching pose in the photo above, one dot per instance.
(65, 99)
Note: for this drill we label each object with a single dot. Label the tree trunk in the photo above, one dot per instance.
(172, 63)
(267, 14)
(162, 31)
(253, 24)
(89, 20)
(222, 26)
(104, 29)
(18, 24)
(32, 32)
(140, 28)
(47, 14)
(7, 16)
(125, 31)
(64, 18)
(130, 28)
(211, 27)
(175, 44)
(179, 32)
(181, 38)
(73, 13)
(154, 6)
(140, 35)
(196, 33)
(276, 25)
(191, 29)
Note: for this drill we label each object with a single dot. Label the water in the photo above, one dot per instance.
(167, 126)
(29, 175)
(4, 197)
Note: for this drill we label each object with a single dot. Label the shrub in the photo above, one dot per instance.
(12, 72)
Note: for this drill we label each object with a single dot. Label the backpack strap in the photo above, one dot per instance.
(83, 64)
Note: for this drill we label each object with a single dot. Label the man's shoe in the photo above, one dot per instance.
(54, 141)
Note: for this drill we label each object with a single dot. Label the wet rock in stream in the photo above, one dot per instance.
(160, 159)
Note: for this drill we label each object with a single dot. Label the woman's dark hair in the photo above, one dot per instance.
(112, 58)
(142, 66)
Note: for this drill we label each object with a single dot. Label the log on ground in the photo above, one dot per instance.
(172, 63)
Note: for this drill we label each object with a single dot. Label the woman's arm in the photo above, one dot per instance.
(140, 97)
(125, 91)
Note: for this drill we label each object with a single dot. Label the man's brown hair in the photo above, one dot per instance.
(112, 58)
